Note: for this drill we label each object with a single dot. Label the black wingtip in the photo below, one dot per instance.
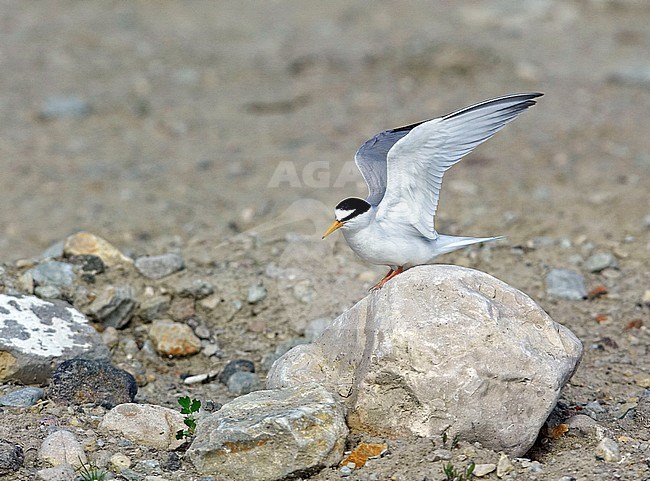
(524, 100)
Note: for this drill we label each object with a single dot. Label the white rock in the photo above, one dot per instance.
(62, 447)
(36, 335)
(441, 348)
(481, 470)
(154, 426)
(268, 435)
(504, 466)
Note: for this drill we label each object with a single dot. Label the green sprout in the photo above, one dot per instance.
(452, 474)
(189, 407)
(90, 472)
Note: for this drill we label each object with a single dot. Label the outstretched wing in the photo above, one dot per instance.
(417, 161)
(371, 160)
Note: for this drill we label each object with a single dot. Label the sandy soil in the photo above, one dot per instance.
(225, 131)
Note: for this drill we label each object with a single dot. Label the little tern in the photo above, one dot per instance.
(403, 168)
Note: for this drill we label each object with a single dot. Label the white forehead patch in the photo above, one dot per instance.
(342, 214)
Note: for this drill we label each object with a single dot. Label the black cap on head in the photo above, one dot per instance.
(350, 208)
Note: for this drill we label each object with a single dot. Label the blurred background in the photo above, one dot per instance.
(149, 120)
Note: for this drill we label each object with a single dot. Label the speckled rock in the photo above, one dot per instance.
(270, 435)
(62, 447)
(173, 338)
(82, 381)
(157, 267)
(11, 457)
(35, 335)
(441, 348)
(85, 243)
(154, 426)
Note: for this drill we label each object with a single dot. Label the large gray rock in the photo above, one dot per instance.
(441, 348)
(269, 435)
(35, 335)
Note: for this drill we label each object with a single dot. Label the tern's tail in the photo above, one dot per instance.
(449, 243)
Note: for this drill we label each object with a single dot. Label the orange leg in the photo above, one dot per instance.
(392, 273)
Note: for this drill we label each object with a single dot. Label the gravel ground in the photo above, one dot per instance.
(224, 132)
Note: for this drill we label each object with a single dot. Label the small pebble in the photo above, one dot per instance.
(53, 273)
(85, 243)
(441, 454)
(196, 288)
(114, 306)
(608, 450)
(89, 263)
(237, 365)
(152, 308)
(582, 424)
(119, 461)
(535, 467)
(483, 469)
(172, 463)
(24, 397)
(131, 475)
(600, 261)
(157, 267)
(174, 339)
(504, 466)
(595, 407)
(64, 106)
(256, 294)
(241, 383)
(182, 308)
(48, 292)
(345, 471)
(567, 478)
(147, 465)
(196, 379)
(566, 284)
(111, 337)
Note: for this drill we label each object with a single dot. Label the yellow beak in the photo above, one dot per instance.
(336, 225)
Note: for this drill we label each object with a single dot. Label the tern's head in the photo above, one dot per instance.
(349, 213)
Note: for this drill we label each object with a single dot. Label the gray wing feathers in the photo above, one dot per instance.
(417, 161)
(371, 160)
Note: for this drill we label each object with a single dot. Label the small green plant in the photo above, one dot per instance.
(454, 441)
(189, 407)
(452, 474)
(90, 472)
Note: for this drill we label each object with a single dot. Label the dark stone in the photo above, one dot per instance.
(238, 365)
(172, 463)
(89, 263)
(82, 381)
(11, 457)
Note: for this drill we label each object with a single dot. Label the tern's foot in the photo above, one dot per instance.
(392, 273)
